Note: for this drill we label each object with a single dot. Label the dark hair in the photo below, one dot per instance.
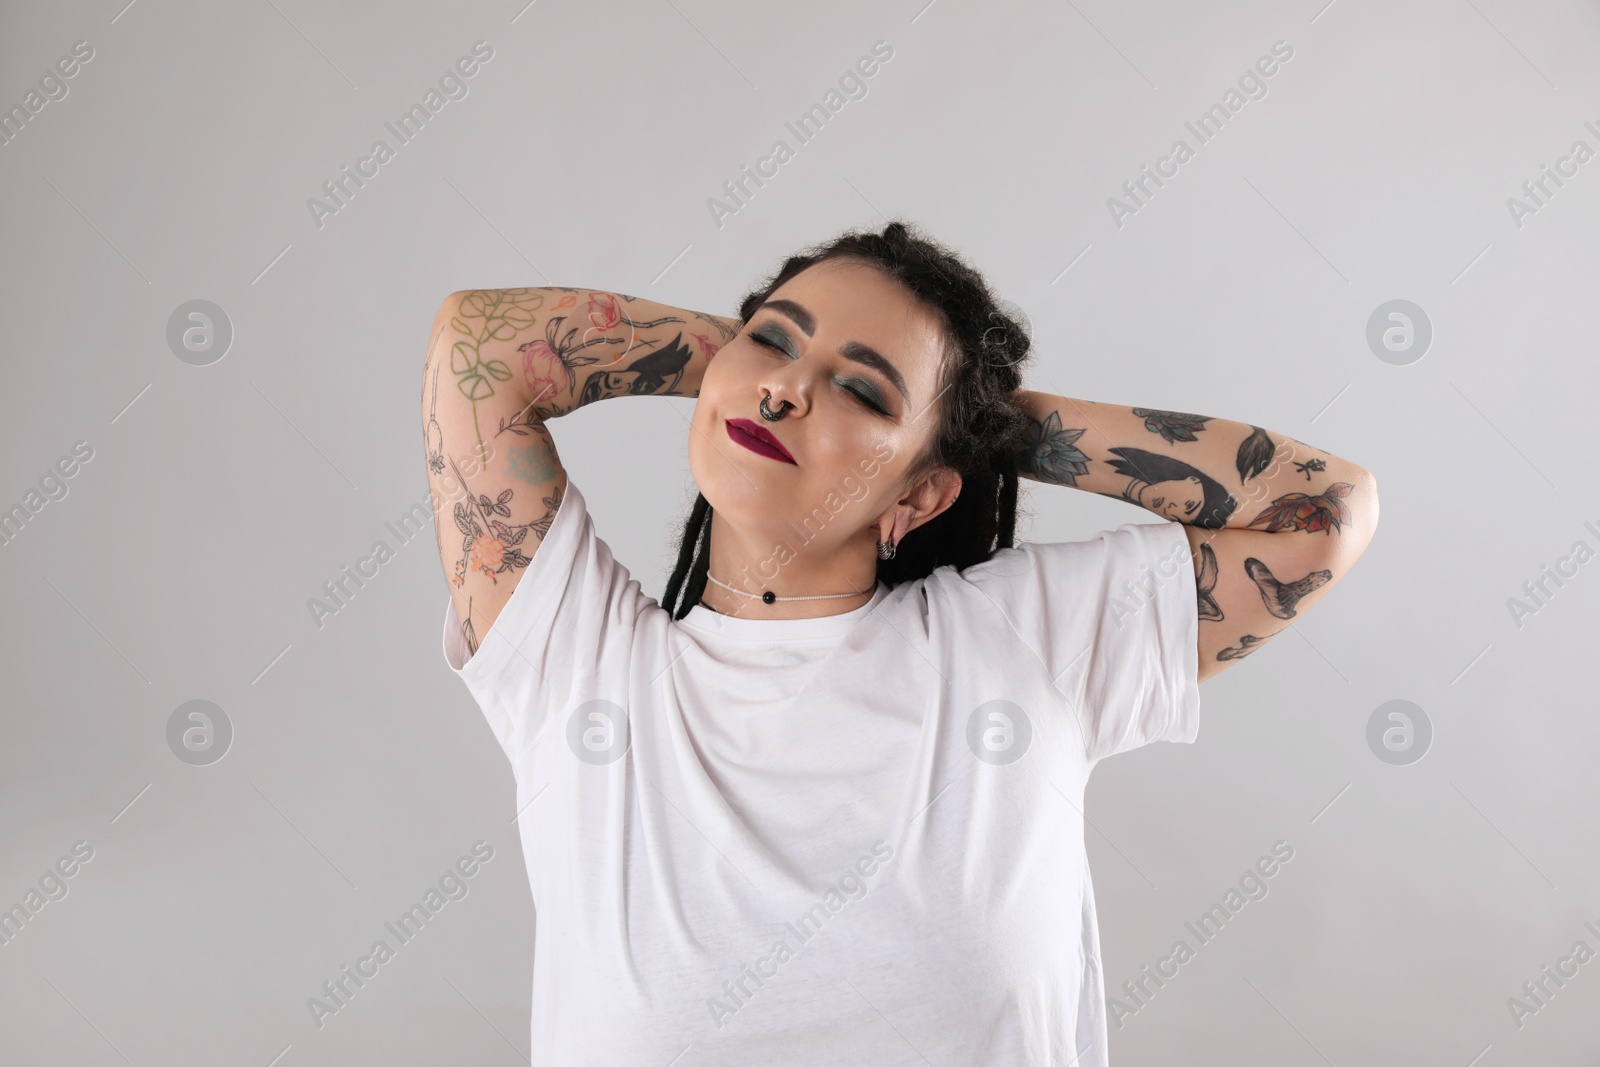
(981, 424)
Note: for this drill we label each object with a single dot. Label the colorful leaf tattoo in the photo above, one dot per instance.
(1297, 511)
(1051, 454)
(1173, 426)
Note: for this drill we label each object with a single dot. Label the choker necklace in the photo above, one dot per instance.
(886, 550)
(769, 597)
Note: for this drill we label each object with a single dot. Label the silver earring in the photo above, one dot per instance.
(886, 549)
(769, 416)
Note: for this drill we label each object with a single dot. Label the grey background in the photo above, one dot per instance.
(219, 498)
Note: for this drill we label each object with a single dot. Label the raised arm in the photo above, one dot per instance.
(1273, 523)
(500, 362)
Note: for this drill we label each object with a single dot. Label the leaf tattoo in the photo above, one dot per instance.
(1255, 454)
(522, 424)
(486, 315)
(1173, 426)
(1297, 511)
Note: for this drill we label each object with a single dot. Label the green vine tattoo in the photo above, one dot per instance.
(486, 315)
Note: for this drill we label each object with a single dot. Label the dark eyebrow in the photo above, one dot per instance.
(854, 351)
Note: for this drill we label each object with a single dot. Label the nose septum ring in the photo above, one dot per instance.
(769, 416)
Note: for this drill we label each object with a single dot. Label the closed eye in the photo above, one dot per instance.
(866, 396)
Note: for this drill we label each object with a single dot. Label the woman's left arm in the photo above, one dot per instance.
(1273, 522)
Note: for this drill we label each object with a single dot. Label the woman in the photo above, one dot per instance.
(822, 802)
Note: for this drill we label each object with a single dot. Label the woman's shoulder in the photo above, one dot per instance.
(958, 588)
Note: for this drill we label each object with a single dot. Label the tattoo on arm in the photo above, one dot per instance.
(1052, 454)
(489, 546)
(727, 331)
(1247, 644)
(657, 373)
(1255, 454)
(433, 444)
(1299, 511)
(1173, 426)
(523, 423)
(1172, 488)
(534, 464)
(467, 633)
(1204, 582)
(435, 437)
(550, 367)
(1310, 465)
(486, 315)
(1281, 597)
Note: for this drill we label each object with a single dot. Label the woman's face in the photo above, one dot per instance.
(853, 425)
(1178, 499)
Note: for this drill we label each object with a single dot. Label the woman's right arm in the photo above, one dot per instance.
(499, 364)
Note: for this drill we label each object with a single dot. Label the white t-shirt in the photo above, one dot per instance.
(855, 839)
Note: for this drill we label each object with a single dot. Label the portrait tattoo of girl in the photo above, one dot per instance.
(652, 374)
(1173, 488)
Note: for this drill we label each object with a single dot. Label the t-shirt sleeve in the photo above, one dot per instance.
(1115, 621)
(574, 612)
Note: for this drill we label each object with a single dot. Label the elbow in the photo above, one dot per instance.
(1362, 506)
(441, 318)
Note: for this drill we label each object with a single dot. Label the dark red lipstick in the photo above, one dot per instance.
(756, 438)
